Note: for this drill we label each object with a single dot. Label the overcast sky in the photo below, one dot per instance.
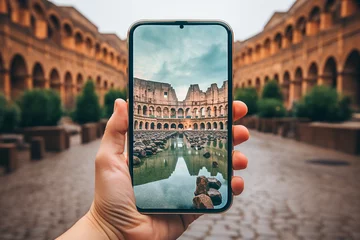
(246, 17)
(181, 57)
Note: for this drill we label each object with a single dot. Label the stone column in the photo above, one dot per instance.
(291, 93)
(273, 47)
(325, 21)
(3, 7)
(41, 29)
(312, 28)
(348, 8)
(24, 17)
(28, 82)
(297, 36)
(285, 42)
(7, 84)
(68, 42)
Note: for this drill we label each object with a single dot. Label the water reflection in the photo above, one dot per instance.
(168, 179)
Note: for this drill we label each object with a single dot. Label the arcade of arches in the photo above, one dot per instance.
(314, 43)
(156, 107)
(47, 48)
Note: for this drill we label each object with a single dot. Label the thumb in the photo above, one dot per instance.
(113, 141)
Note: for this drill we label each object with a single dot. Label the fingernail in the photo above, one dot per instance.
(115, 106)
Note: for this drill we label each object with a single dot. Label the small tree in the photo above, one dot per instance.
(9, 115)
(250, 97)
(323, 103)
(272, 90)
(109, 100)
(271, 108)
(87, 105)
(40, 107)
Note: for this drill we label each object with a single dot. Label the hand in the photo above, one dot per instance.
(113, 213)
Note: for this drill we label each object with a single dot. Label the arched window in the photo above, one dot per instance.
(314, 21)
(330, 72)
(298, 84)
(351, 81)
(18, 76)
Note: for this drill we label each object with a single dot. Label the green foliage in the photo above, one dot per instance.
(40, 107)
(87, 105)
(3, 103)
(250, 97)
(9, 115)
(323, 103)
(109, 100)
(272, 90)
(271, 108)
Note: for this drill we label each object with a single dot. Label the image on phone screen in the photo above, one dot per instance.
(180, 116)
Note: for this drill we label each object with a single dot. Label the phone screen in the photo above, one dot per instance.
(180, 83)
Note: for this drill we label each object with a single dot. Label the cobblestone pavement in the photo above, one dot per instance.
(285, 196)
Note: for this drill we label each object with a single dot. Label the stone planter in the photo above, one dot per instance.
(8, 156)
(340, 137)
(101, 127)
(286, 127)
(54, 137)
(266, 125)
(89, 132)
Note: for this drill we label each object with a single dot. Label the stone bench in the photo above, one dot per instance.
(54, 137)
(341, 137)
(37, 149)
(8, 155)
(89, 132)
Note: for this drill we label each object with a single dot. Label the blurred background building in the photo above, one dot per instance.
(313, 43)
(43, 45)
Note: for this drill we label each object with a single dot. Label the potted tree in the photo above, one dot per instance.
(87, 112)
(9, 120)
(270, 107)
(108, 109)
(40, 113)
(326, 110)
(250, 97)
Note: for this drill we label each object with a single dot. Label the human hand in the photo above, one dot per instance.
(113, 213)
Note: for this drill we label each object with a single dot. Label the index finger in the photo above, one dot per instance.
(239, 110)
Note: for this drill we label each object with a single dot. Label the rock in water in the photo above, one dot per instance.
(201, 185)
(203, 201)
(214, 183)
(136, 161)
(215, 196)
(206, 154)
(215, 164)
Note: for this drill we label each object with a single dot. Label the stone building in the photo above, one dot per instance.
(43, 45)
(315, 42)
(156, 106)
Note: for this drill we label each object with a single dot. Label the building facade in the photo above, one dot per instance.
(43, 45)
(316, 42)
(156, 106)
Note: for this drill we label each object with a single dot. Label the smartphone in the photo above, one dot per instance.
(180, 116)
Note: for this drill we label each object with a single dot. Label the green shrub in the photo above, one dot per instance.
(3, 103)
(250, 97)
(109, 100)
(323, 103)
(9, 115)
(40, 107)
(272, 90)
(271, 108)
(87, 105)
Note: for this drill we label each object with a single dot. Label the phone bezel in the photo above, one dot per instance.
(130, 88)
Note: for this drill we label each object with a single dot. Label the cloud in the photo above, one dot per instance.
(194, 55)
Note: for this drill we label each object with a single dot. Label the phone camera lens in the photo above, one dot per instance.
(181, 26)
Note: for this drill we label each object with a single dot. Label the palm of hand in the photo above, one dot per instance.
(114, 202)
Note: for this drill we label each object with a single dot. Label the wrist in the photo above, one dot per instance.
(101, 225)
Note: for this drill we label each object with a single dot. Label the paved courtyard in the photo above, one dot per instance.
(286, 195)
